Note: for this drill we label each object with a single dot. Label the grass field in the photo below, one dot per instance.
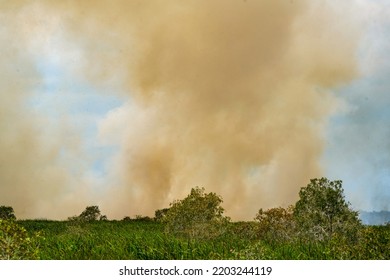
(123, 240)
(119, 240)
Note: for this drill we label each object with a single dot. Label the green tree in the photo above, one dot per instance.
(91, 213)
(199, 215)
(7, 213)
(322, 211)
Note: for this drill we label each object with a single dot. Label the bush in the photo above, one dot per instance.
(374, 243)
(15, 244)
(160, 214)
(245, 230)
(199, 215)
(138, 218)
(143, 218)
(276, 224)
(7, 213)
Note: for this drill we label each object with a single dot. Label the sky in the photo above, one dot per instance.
(357, 147)
(119, 106)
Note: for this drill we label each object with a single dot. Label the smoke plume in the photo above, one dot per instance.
(230, 95)
(35, 175)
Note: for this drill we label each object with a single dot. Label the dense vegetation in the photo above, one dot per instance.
(320, 225)
(135, 239)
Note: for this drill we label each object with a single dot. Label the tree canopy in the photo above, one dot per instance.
(91, 213)
(7, 213)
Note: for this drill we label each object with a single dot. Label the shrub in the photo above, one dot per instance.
(127, 219)
(143, 218)
(199, 215)
(245, 230)
(7, 213)
(160, 214)
(374, 243)
(15, 243)
(276, 224)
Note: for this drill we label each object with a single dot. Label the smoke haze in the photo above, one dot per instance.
(27, 176)
(233, 96)
(361, 133)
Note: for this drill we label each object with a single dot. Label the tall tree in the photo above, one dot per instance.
(322, 211)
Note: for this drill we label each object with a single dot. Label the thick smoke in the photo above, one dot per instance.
(228, 95)
(25, 169)
(35, 178)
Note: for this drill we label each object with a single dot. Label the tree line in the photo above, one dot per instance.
(321, 213)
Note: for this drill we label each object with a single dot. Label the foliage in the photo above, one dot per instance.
(120, 240)
(137, 218)
(160, 214)
(245, 230)
(320, 226)
(15, 243)
(91, 213)
(142, 218)
(199, 215)
(276, 224)
(321, 211)
(374, 243)
(256, 251)
(7, 213)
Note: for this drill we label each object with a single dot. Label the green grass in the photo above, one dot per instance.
(143, 240)
(114, 240)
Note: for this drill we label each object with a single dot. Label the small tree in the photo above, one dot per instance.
(276, 224)
(321, 211)
(198, 215)
(7, 213)
(91, 213)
